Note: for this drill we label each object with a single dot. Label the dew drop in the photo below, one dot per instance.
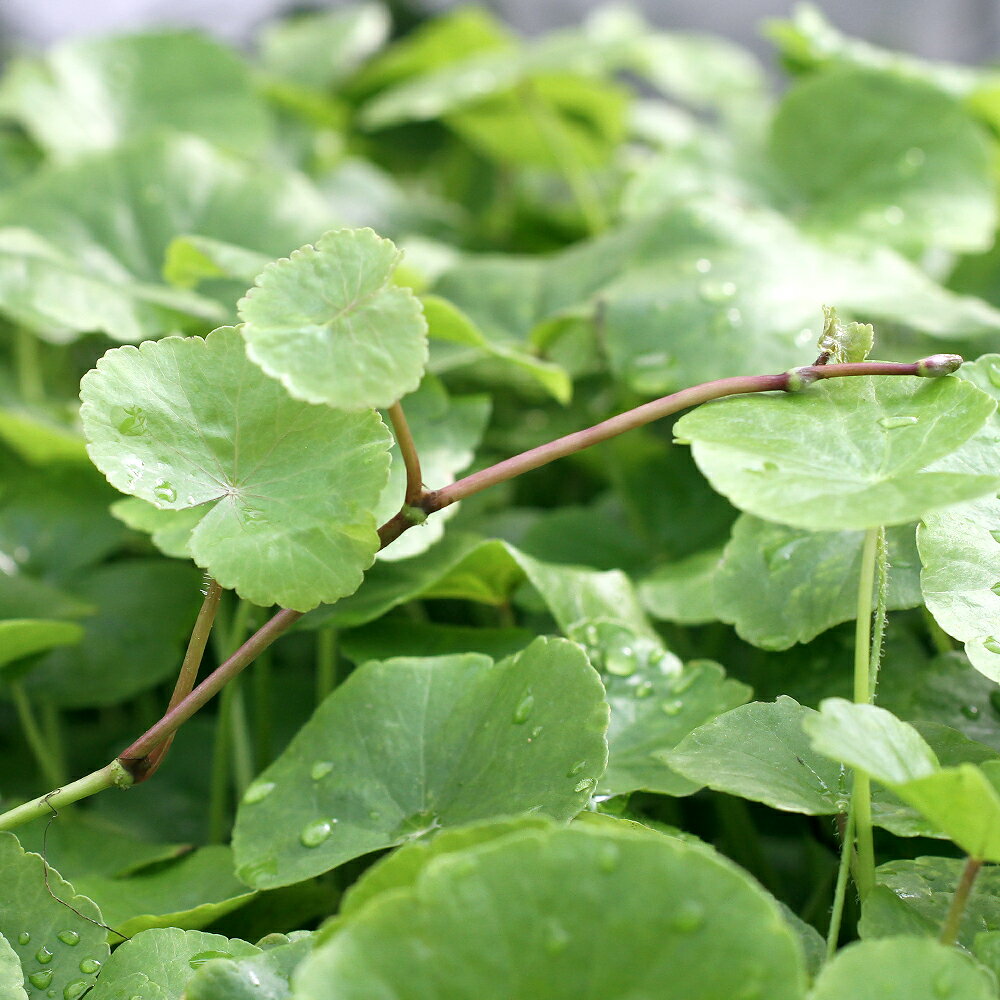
(536, 732)
(43, 956)
(971, 712)
(643, 689)
(672, 707)
(993, 372)
(891, 423)
(72, 990)
(689, 917)
(69, 937)
(576, 769)
(684, 681)
(321, 769)
(584, 785)
(313, 834)
(164, 491)
(620, 661)
(24, 937)
(608, 857)
(557, 938)
(257, 792)
(197, 961)
(524, 709)
(41, 980)
(89, 966)
(992, 644)
(703, 265)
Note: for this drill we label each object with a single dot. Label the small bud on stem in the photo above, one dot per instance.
(939, 364)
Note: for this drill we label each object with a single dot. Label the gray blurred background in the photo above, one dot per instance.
(961, 30)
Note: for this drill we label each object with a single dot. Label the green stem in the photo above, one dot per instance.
(111, 775)
(45, 757)
(881, 610)
(953, 921)
(326, 662)
(29, 367)
(864, 871)
(840, 891)
(242, 744)
(408, 451)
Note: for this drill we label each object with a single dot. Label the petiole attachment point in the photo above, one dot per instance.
(939, 364)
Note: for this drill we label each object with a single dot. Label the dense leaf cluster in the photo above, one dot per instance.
(585, 733)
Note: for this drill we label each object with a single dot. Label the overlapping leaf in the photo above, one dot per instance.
(407, 746)
(844, 455)
(329, 323)
(589, 913)
(292, 487)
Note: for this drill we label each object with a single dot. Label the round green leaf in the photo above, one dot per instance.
(581, 913)
(255, 977)
(11, 976)
(408, 745)
(891, 158)
(56, 933)
(158, 963)
(329, 323)
(846, 454)
(27, 636)
(186, 422)
(902, 968)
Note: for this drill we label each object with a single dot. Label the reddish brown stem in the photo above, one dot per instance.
(408, 450)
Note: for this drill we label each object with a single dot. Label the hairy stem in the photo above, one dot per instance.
(840, 891)
(189, 669)
(953, 920)
(864, 871)
(111, 775)
(408, 449)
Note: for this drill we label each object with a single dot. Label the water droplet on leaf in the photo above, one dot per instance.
(257, 792)
(72, 990)
(891, 423)
(536, 732)
(585, 785)
(130, 420)
(69, 937)
(320, 769)
(576, 769)
(524, 709)
(689, 917)
(164, 491)
(89, 966)
(643, 690)
(672, 707)
(993, 373)
(971, 712)
(43, 956)
(41, 980)
(24, 937)
(703, 265)
(620, 661)
(313, 834)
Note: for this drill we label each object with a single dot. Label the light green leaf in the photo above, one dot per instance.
(93, 94)
(190, 893)
(329, 323)
(847, 455)
(902, 968)
(683, 591)
(209, 427)
(11, 976)
(27, 636)
(925, 181)
(872, 739)
(58, 949)
(842, 343)
(959, 546)
(23, 596)
(403, 867)
(574, 906)
(190, 260)
(39, 437)
(257, 977)
(320, 48)
(446, 431)
(781, 585)
(446, 322)
(761, 752)
(159, 963)
(925, 887)
(407, 746)
(146, 608)
(83, 246)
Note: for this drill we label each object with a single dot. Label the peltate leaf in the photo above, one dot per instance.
(408, 745)
(187, 422)
(329, 323)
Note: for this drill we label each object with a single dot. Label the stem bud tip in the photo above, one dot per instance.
(939, 364)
